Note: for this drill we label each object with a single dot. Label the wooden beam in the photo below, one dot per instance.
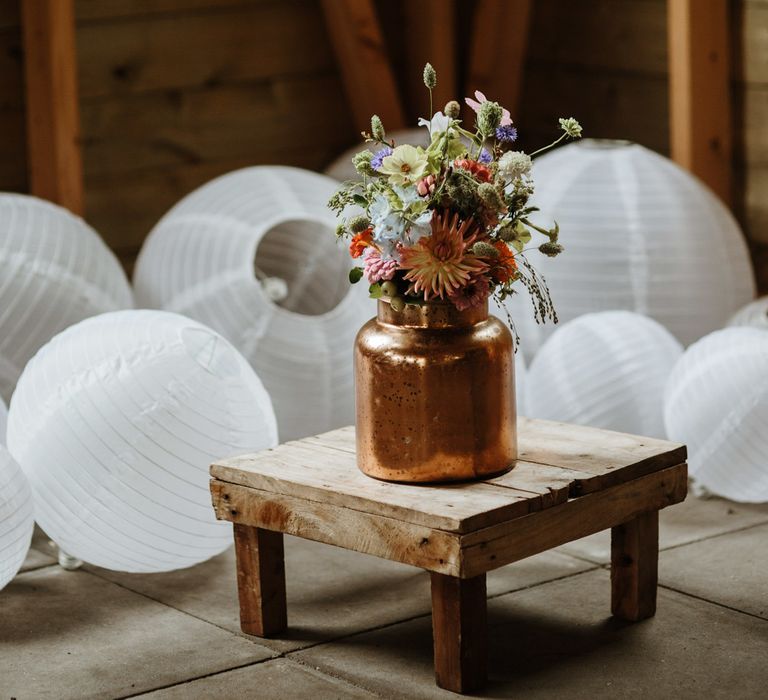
(431, 40)
(53, 122)
(699, 91)
(362, 57)
(498, 50)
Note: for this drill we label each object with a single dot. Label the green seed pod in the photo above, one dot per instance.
(362, 163)
(357, 224)
(377, 128)
(389, 289)
(489, 117)
(452, 109)
(430, 76)
(398, 303)
(482, 249)
(551, 249)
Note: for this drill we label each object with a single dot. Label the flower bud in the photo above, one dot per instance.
(397, 303)
(489, 116)
(377, 128)
(452, 109)
(358, 224)
(430, 76)
(482, 249)
(551, 249)
(389, 289)
(362, 163)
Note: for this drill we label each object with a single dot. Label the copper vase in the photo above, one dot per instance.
(435, 394)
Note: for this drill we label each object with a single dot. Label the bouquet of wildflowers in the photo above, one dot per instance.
(450, 221)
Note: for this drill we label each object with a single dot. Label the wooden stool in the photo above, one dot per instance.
(571, 481)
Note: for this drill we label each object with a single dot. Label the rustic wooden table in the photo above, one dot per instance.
(571, 481)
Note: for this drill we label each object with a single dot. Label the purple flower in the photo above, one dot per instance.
(506, 134)
(379, 156)
(485, 157)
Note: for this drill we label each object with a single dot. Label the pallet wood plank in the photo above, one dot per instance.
(634, 567)
(460, 632)
(331, 476)
(388, 538)
(53, 122)
(260, 580)
(362, 59)
(605, 457)
(700, 90)
(502, 544)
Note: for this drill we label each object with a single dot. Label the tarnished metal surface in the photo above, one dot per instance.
(435, 393)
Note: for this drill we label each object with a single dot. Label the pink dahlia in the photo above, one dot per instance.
(472, 294)
(376, 269)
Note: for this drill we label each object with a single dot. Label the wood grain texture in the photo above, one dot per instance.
(364, 64)
(53, 122)
(498, 545)
(634, 567)
(331, 476)
(498, 48)
(387, 538)
(260, 581)
(605, 457)
(700, 91)
(460, 632)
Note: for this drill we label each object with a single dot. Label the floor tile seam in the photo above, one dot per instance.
(179, 610)
(329, 674)
(714, 536)
(192, 679)
(712, 602)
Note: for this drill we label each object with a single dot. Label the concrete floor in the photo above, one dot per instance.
(360, 626)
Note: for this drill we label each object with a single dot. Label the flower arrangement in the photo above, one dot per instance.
(448, 222)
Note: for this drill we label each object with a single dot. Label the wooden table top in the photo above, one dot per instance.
(557, 462)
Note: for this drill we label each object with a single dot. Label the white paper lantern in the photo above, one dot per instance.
(54, 271)
(640, 234)
(754, 314)
(115, 423)
(3, 420)
(16, 518)
(199, 261)
(716, 402)
(342, 169)
(521, 384)
(607, 370)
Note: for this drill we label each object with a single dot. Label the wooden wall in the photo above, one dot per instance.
(174, 92)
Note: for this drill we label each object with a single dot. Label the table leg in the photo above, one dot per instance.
(634, 567)
(260, 580)
(460, 631)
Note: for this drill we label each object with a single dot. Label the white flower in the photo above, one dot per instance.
(514, 164)
(440, 122)
(406, 164)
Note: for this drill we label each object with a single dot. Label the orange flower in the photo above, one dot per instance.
(480, 172)
(360, 241)
(439, 263)
(505, 266)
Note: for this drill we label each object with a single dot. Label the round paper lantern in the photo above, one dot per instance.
(16, 519)
(607, 370)
(3, 420)
(716, 402)
(199, 261)
(54, 271)
(640, 234)
(115, 423)
(342, 169)
(753, 314)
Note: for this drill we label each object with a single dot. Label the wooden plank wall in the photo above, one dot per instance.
(174, 92)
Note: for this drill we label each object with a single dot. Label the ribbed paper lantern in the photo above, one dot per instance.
(521, 384)
(716, 402)
(342, 169)
(199, 261)
(54, 271)
(607, 370)
(115, 423)
(3, 420)
(640, 234)
(16, 519)
(754, 314)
